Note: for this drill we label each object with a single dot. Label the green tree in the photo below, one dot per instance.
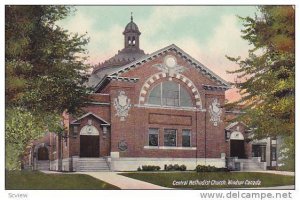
(267, 75)
(45, 72)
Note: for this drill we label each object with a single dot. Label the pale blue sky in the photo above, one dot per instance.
(207, 33)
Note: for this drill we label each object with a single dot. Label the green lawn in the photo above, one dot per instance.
(212, 180)
(28, 180)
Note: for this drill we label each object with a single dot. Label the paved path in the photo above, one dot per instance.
(286, 173)
(122, 182)
(284, 187)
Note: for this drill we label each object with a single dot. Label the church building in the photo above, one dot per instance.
(150, 109)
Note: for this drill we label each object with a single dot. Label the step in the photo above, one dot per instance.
(92, 164)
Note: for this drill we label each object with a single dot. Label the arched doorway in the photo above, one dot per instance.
(41, 157)
(43, 153)
(237, 145)
(89, 141)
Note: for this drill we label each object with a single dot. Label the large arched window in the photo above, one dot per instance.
(170, 94)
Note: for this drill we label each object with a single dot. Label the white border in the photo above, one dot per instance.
(131, 194)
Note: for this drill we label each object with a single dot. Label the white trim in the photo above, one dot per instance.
(195, 93)
(187, 129)
(98, 103)
(233, 124)
(176, 131)
(87, 114)
(169, 107)
(94, 131)
(202, 69)
(146, 85)
(157, 137)
(103, 94)
(173, 148)
(236, 135)
(142, 99)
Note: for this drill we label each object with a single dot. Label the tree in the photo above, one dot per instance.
(45, 72)
(267, 75)
(45, 68)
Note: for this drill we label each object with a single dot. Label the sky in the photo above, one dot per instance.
(207, 33)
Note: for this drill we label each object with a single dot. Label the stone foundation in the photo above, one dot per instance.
(131, 164)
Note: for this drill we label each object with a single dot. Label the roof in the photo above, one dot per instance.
(196, 64)
(105, 123)
(234, 124)
(131, 27)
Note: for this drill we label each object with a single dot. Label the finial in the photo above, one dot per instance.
(131, 17)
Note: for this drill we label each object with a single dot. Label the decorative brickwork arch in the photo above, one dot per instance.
(154, 78)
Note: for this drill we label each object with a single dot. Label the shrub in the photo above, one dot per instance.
(182, 168)
(149, 168)
(208, 168)
(139, 169)
(175, 167)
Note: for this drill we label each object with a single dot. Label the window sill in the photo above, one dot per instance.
(172, 148)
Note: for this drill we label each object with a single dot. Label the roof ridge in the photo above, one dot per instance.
(164, 49)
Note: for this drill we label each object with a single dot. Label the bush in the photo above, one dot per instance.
(182, 168)
(149, 168)
(175, 167)
(208, 168)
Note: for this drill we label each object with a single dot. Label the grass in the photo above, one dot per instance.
(32, 180)
(166, 179)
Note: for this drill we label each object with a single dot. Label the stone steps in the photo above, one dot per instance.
(251, 165)
(92, 164)
(43, 165)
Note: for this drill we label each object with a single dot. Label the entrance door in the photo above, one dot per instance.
(89, 146)
(237, 148)
(259, 151)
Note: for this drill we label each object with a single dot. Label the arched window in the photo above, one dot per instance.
(170, 94)
(129, 40)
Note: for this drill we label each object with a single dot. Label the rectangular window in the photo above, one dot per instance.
(54, 144)
(75, 130)
(273, 153)
(153, 137)
(170, 137)
(186, 138)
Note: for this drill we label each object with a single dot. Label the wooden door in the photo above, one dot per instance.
(89, 146)
(237, 148)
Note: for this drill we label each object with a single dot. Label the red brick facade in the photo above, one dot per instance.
(120, 112)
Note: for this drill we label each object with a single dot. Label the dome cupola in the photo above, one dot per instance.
(131, 35)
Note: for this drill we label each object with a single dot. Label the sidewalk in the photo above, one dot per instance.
(122, 181)
(286, 173)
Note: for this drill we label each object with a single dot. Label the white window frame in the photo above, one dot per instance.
(176, 132)
(190, 133)
(152, 133)
(161, 97)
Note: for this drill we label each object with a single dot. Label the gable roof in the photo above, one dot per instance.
(105, 123)
(196, 64)
(234, 124)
